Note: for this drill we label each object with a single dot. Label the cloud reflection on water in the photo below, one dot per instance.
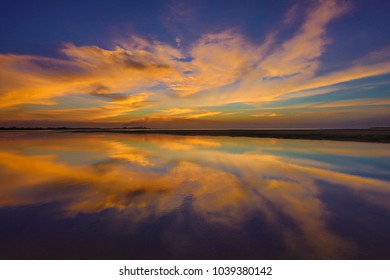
(226, 181)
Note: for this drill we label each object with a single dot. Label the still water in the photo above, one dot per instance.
(121, 196)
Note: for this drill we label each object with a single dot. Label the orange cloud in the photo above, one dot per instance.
(266, 115)
(201, 115)
(88, 70)
(182, 113)
(176, 111)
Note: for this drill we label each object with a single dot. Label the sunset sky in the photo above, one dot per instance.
(195, 64)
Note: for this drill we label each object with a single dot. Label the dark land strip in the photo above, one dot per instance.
(379, 135)
(360, 135)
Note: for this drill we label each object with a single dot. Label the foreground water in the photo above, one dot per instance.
(119, 196)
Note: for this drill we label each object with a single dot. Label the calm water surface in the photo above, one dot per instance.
(118, 196)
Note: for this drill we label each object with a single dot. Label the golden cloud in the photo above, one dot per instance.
(266, 115)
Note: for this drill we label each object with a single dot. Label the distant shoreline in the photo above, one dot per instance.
(377, 135)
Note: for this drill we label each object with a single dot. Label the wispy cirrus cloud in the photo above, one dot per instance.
(266, 115)
(184, 113)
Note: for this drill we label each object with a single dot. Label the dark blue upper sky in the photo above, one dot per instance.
(37, 26)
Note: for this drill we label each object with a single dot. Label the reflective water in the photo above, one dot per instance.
(118, 196)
